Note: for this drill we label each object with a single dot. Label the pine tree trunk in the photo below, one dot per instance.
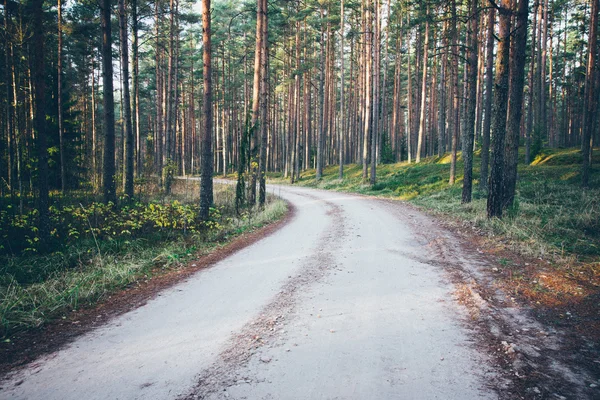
(471, 102)
(375, 131)
(342, 119)
(515, 102)
(590, 96)
(135, 86)
(108, 163)
(255, 122)
(454, 94)
(368, 87)
(422, 115)
(126, 100)
(495, 195)
(320, 133)
(262, 193)
(489, 85)
(206, 176)
(40, 118)
(61, 139)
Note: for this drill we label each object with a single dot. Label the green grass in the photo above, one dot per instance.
(552, 215)
(84, 273)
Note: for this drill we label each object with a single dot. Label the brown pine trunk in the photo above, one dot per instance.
(368, 87)
(443, 95)
(254, 124)
(468, 133)
(342, 119)
(158, 131)
(376, 38)
(61, 139)
(262, 192)
(40, 118)
(495, 196)
(126, 101)
(489, 84)
(515, 102)
(422, 115)
(135, 86)
(590, 93)
(108, 163)
(206, 175)
(454, 93)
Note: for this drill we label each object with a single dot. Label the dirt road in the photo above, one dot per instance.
(350, 300)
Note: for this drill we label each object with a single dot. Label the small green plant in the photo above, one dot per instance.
(100, 248)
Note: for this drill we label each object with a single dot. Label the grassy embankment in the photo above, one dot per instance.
(553, 219)
(38, 287)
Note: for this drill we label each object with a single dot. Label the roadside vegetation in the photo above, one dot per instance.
(99, 249)
(553, 224)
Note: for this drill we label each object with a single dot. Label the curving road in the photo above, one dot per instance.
(349, 300)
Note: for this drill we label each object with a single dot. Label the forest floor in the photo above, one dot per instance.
(41, 313)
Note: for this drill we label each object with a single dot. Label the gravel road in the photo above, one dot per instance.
(350, 300)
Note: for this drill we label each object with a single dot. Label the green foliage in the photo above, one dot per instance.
(106, 222)
(104, 249)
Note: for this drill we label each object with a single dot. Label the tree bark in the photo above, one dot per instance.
(469, 131)
(255, 122)
(495, 196)
(206, 176)
(128, 187)
(108, 160)
(368, 88)
(61, 139)
(39, 123)
(455, 123)
(422, 116)
(262, 192)
(515, 102)
(342, 119)
(489, 86)
(590, 93)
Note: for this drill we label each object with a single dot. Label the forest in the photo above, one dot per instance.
(106, 104)
(121, 88)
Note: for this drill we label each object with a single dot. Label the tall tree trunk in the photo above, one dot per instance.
(61, 139)
(495, 197)
(342, 119)
(320, 133)
(454, 96)
(158, 131)
(108, 163)
(262, 193)
(128, 187)
(422, 116)
(376, 38)
(95, 183)
(469, 131)
(40, 117)
(443, 95)
(255, 122)
(515, 102)
(590, 96)
(543, 68)
(206, 175)
(368, 87)
(135, 86)
(489, 85)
